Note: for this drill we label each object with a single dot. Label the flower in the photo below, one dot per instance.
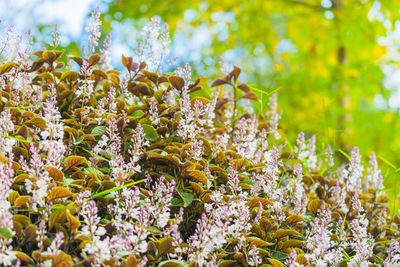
(54, 248)
(41, 234)
(36, 168)
(291, 260)
(338, 194)
(393, 258)
(185, 73)
(223, 219)
(374, 178)
(306, 151)
(100, 249)
(353, 173)
(93, 29)
(329, 157)
(53, 135)
(139, 141)
(160, 196)
(273, 116)
(56, 37)
(15, 48)
(233, 181)
(297, 189)
(196, 149)
(154, 111)
(362, 242)
(85, 88)
(6, 128)
(323, 251)
(245, 137)
(156, 43)
(254, 258)
(105, 59)
(7, 255)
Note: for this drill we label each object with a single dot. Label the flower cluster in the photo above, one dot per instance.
(323, 250)
(306, 151)
(93, 29)
(155, 45)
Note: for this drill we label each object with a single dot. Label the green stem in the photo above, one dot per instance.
(234, 113)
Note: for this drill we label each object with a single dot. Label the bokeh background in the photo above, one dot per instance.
(335, 63)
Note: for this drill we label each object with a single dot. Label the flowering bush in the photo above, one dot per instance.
(101, 168)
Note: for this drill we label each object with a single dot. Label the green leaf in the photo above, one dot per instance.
(154, 229)
(98, 130)
(176, 202)
(15, 138)
(344, 153)
(5, 232)
(78, 140)
(94, 154)
(186, 197)
(342, 226)
(247, 181)
(137, 113)
(263, 92)
(279, 255)
(105, 192)
(387, 162)
(150, 132)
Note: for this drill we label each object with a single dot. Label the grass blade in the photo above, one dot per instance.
(344, 154)
(15, 138)
(105, 192)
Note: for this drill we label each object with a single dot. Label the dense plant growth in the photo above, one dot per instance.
(101, 168)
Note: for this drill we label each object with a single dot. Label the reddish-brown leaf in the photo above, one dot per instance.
(219, 81)
(73, 161)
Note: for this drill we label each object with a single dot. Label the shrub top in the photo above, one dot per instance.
(103, 169)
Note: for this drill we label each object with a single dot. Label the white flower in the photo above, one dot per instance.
(94, 30)
(7, 256)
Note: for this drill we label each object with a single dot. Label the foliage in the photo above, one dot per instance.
(108, 169)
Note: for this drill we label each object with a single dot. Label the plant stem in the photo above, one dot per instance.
(234, 113)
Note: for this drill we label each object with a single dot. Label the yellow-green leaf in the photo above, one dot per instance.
(57, 216)
(24, 257)
(199, 176)
(291, 243)
(285, 232)
(258, 242)
(275, 263)
(150, 132)
(165, 245)
(314, 205)
(73, 222)
(254, 202)
(22, 201)
(59, 192)
(55, 173)
(293, 219)
(62, 260)
(38, 122)
(5, 232)
(22, 219)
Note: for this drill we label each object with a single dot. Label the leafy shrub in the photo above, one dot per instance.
(103, 169)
